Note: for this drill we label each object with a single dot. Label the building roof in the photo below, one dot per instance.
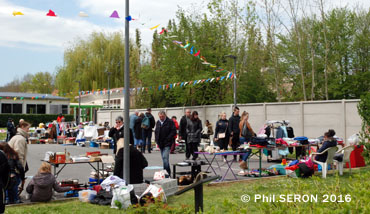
(31, 96)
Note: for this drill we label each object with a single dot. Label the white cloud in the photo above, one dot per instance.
(148, 13)
(35, 28)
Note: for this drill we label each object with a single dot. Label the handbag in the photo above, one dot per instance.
(221, 135)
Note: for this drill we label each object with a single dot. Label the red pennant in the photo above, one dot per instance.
(167, 86)
(197, 53)
(51, 13)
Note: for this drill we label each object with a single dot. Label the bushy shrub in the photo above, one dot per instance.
(34, 119)
(364, 111)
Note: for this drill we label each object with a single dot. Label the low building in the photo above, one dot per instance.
(32, 103)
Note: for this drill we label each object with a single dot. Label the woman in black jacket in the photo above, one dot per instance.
(329, 142)
(16, 172)
(193, 131)
(4, 177)
(222, 133)
(137, 165)
(116, 133)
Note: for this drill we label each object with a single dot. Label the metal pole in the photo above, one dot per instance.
(234, 81)
(108, 90)
(79, 103)
(126, 155)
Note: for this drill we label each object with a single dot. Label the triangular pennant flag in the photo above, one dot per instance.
(197, 53)
(171, 86)
(82, 14)
(195, 82)
(228, 75)
(181, 84)
(212, 79)
(17, 13)
(185, 83)
(15, 98)
(51, 13)
(222, 78)
(128, 18)
(213, 66)
(191, 49)
(163, 30)
(159, 88)
(114, 15)
(187, 45)
(152, 28)
(208, 79)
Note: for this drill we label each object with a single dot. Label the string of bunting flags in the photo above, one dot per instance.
(190, 49)
(160, 87)
(22, 98)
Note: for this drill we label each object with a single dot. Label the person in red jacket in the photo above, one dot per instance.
(174, 119)
(60, 117)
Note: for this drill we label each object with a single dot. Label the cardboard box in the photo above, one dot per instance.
(60, 158)
(33, 141)
(104, 145)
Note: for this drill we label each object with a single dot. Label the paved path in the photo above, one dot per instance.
(36, 152)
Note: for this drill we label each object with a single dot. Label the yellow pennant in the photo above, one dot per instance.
(152, 28)
(15, 13)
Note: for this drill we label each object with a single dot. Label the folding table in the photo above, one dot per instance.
(229, 163)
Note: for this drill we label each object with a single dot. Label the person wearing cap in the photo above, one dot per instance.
(147, 132)
(11, 131)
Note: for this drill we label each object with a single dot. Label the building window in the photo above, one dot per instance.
(17, 108)
(6, 108)
(41, 109)
(31, 109)
(64, 109)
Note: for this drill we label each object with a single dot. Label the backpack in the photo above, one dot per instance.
(145, 124)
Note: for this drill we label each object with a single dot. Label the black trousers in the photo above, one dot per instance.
(187, 149)
(193, 147)
(235, 143)
(2, 199)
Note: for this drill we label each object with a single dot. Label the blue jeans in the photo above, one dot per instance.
(244, 140)
(12, 194)
(165, 153)
(147, 139)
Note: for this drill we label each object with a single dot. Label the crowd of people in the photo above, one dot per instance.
(13, 166)
(228, 133)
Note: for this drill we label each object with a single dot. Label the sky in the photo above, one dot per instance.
(35, 42)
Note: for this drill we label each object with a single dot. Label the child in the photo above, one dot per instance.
(42, 185)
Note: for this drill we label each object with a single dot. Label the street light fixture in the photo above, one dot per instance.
(79, 102)
(109, 73)
(234, 58)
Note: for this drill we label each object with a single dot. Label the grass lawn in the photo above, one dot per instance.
(227, 198)
(3, 135)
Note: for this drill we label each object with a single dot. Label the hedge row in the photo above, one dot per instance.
(34, 119)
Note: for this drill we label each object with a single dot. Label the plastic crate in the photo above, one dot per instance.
(169, 186)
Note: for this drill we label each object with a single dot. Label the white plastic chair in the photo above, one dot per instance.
(329, 160)
(346, 151)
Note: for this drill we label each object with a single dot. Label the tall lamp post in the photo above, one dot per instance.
(79, 102)
(126, 155)
(233, 57)
(109, 73)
